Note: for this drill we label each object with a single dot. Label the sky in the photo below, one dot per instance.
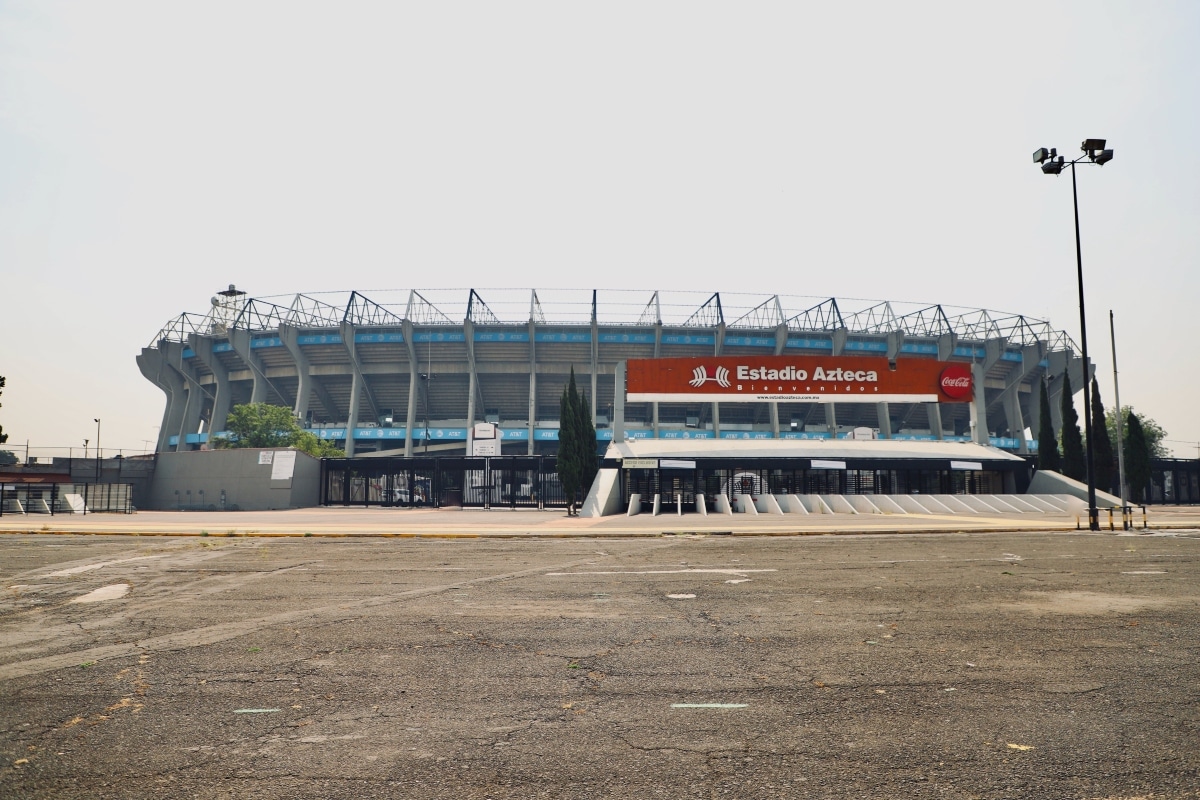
(152, 153)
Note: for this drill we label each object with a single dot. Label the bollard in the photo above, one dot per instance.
(1110, 519)
(1145, 525)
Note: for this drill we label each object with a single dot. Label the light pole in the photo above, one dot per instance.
(1052, 164)
(97, 421)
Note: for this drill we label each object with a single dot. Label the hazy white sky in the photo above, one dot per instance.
(153, 152)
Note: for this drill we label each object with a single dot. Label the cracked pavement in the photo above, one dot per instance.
(957, 666)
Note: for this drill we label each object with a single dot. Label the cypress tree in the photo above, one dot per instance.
(568, 464)
(1048, 457)
(1074, 461)
(587, 444)
(1137, 458)
(1102, 448)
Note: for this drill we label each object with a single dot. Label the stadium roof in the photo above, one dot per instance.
(390, 308)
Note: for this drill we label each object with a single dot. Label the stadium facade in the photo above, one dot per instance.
(413, 371)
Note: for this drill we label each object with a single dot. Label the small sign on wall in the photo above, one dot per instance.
(265, 456)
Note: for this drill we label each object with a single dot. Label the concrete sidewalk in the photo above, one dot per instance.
(459, 523)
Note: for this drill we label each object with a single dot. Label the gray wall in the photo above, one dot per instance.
(181, 478)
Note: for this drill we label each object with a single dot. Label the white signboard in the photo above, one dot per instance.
(265, 456)
(668, 463)
(485, 447)
(972, 465)
(284, 465)
(819, 464)
(640, 463)
(485, 430)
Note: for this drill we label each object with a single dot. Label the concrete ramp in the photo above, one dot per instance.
(1049, 482)
(767, 504)
(791, 504)
(604, 498)
(887, 504)
(837, 504)
(864, 504)
(954, 503)
(745, 504)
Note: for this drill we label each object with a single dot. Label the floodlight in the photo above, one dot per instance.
(1090, 146)
(1053, 167)
(1040, 155)
(1103, 157)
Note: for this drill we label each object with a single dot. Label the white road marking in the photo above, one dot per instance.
(715, 571)
(89, 567)
(113, 592)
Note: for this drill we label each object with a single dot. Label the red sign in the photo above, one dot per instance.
(955, 382)
(805, 379)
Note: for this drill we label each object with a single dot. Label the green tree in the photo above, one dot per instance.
(3, 435)
(1074, 462)
(1048, 456)
(1137, 458)
(1154, 433)
(587, 443)
(259, 425)
(568, 464)
(1104, 458)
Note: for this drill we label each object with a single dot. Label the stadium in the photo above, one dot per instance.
(413, 371)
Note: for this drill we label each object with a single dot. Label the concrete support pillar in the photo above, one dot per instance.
(531, 424)
(979, 425)
(839, 337)
(781, 335)
(472, 382)
(202, 346)
(193, 398)
(154, 367)
(595, 363)
(934, 411)
(359, 390)
(239, 339)
(619, 404)
(304, 380)
(718, 346)
(658, 328)
(414, 369)
(883, 412)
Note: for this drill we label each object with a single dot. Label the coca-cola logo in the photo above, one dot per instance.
(955, 381)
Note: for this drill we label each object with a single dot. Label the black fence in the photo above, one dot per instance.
(481, 482)
(733, 479)
(66, 498)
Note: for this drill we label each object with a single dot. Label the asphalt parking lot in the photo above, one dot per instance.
(954, 665)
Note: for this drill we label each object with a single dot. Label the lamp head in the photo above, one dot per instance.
(1053, 166)
(1040, 155)
(1090, 146)
(1103, 157)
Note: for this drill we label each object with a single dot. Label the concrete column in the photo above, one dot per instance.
(979, 426)
(718, 346)
(883, 412)
(839, 337)
(595, 362)
(619, 404)
(781, 334)
(414, 369)
(240, 341)
(154, 367)
(657, 347)
(202, 346)
(531, 424)
(472, 382)
(934, 411)
(194, 397)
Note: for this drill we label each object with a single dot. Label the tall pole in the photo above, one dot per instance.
(1112, 330)
(1093, 513)
(97, 420)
